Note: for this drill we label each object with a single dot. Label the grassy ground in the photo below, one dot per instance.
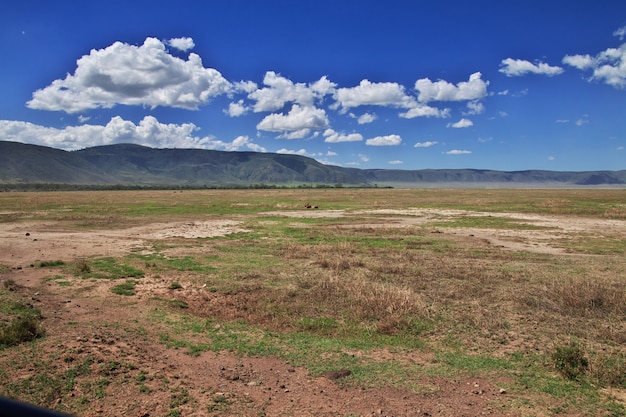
(362, 294)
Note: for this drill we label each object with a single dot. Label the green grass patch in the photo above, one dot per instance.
(49, 264)
(126, 288)
(489, 222)
(106, 268)
(21, 321)
(593, 245)
(186, 263)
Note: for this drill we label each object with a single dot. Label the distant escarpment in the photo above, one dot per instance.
(134, 165)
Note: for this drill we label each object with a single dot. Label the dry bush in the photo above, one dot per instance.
(366, 300)
(588, 297)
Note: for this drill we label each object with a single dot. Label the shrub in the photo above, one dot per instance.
(570, 360)
(21, 329)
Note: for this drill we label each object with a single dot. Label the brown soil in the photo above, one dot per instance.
(87, 322)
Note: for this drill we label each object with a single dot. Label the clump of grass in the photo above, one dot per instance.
(10, 284)
(609, 368)
(175, 286)
(570, 360)
(21, 329)
(20, 322)
(126, 288)
(49, 264)
(82, 266)
(589, 297)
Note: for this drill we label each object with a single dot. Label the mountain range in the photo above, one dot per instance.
(135, 165)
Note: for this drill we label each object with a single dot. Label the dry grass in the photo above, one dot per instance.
(454, 292)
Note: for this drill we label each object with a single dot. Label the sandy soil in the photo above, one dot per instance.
(246, 386)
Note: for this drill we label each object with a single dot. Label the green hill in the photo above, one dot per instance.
(135, 165)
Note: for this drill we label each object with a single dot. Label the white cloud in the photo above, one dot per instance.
(608, 66)
(551, 158)
(291, 152)
(620, 33)
(375, 94)
(241, 142)
(562, 121)
(149, 132)
(475, 107)
(422, 110)
(364, 157)
(280, 90)
(298, 118)
(245, 86)
(583, 120)
(442, 90)
(395, 162)
(620, 148)
(331, 153)
(236, 109)
(461, 124)
(458, 152)
(389, 140)
(182, 44)
(295, 134)
(518, 67)
(366, 118)
(335, 137)
(143, 75)
(427, 144)
(582, 62)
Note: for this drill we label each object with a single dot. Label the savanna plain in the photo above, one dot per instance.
(315, 302)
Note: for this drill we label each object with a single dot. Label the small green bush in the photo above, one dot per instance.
(570, 360)
(21, 329)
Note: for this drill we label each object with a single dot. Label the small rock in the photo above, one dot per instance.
(502, 391)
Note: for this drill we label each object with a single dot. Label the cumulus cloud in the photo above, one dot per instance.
(182, 44)
(335, 137)
(608, 66)
(374, 94)
(389, 140)
(280, 90)
(518, 67)
(149, 132)
(461, 124)
(475, 107)
(458, 152)
(473, 89)
(236, 109)
(426, 144)
(145, 75)
(298, 119)
(423, 110)
(366, 118)
(240, 142)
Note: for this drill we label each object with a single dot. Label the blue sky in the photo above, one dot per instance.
(506, 85)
